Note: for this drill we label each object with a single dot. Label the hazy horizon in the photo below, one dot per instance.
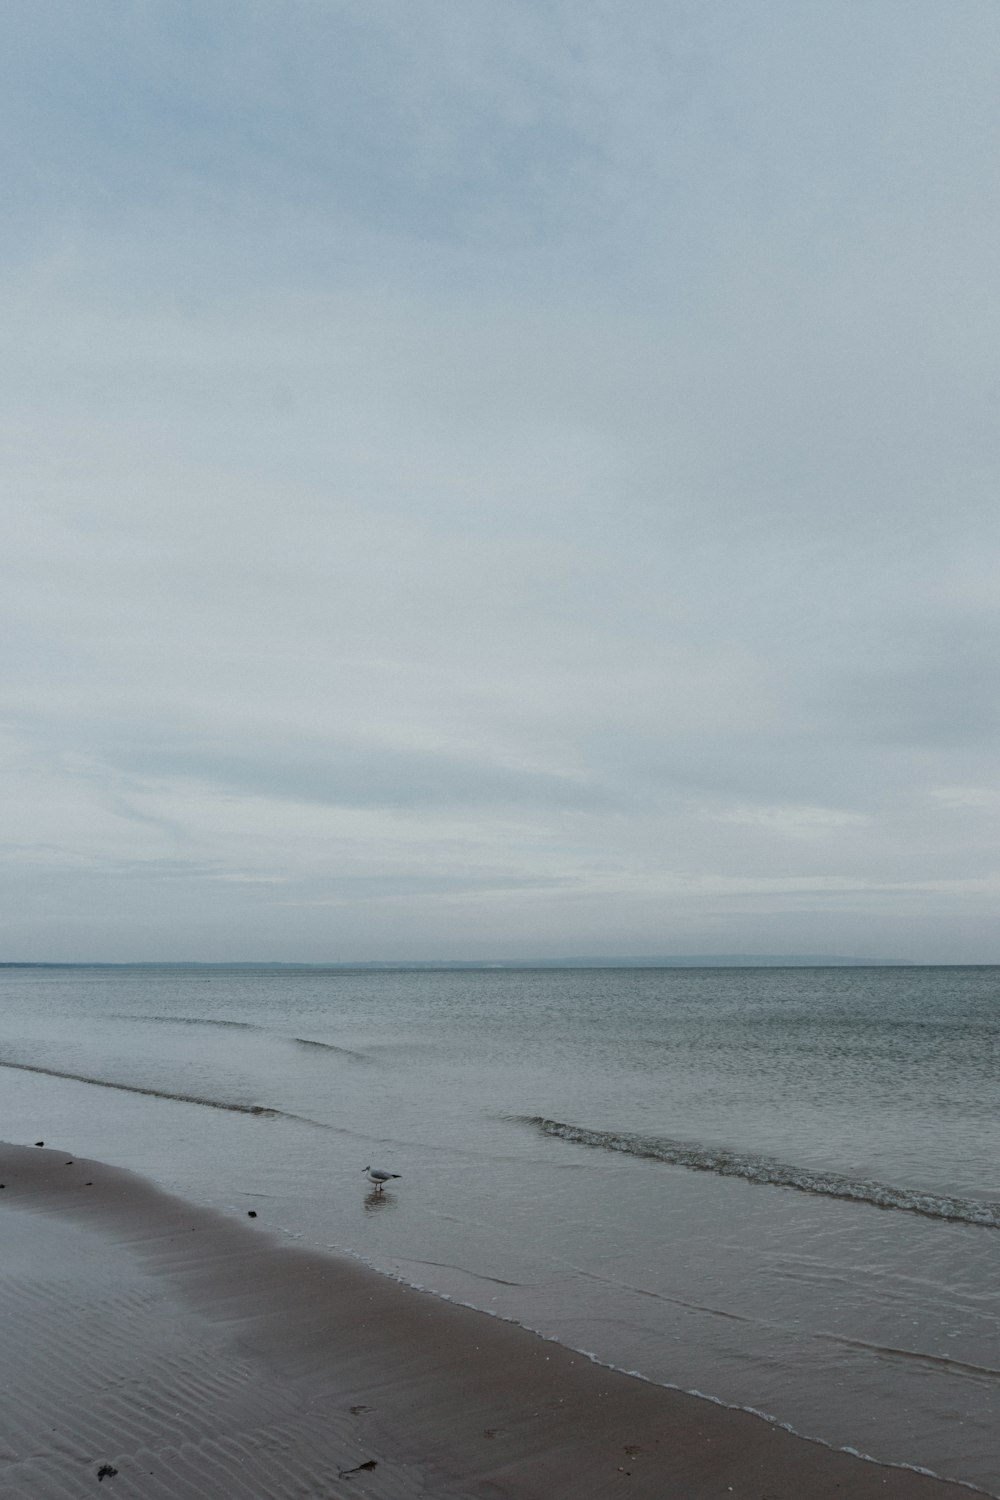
(566, 961)
(496, 480)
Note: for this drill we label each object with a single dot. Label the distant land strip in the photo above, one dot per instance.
(680, 961)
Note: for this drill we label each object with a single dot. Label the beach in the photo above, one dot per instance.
(772, 1191)
(196, 1355)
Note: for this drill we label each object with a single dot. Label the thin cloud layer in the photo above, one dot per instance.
(502, 482)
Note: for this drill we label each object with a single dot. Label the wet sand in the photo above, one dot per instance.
(197, 1356)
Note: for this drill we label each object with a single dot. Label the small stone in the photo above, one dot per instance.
(39, 1143)
(251, 1213)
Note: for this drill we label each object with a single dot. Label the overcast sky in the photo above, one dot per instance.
(500, 478)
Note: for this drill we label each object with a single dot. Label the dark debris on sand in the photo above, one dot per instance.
(371, 1463)
(106, 1471)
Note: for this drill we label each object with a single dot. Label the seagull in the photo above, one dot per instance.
(380, 1178)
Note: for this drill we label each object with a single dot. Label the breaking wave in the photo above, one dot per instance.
(765, 1169)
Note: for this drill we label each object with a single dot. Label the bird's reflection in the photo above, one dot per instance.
(377, 1199)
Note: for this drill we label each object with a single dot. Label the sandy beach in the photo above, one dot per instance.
(196, 1355)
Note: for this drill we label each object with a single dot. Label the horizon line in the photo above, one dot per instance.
(658, 961)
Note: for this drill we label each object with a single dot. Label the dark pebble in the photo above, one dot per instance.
(107, 1471)
(39, 1143)
(88, 1184)
(251, 1213)
(69, 1164)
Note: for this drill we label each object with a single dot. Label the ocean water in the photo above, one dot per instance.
(777, 1187)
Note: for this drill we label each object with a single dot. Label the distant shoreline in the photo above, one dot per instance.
(444, 965)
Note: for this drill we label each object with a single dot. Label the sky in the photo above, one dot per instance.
(499, 480)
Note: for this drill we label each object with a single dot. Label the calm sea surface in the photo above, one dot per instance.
(778, 1187)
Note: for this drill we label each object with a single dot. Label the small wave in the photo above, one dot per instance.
(300, 1041)
(263, 1110)
(881, 1351)
(913, 1356)
(447, 1265)
(207, 1020)
(307, 1041)
(764, 1169)
(186, 1021)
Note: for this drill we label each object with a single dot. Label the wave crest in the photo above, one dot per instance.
(263, 1110)
(767, 1170)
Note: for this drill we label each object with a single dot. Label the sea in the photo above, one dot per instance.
(778, 1188)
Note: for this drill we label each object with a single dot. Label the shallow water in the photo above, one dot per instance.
(778, 1187)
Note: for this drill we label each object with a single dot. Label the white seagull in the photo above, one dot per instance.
(380, 1178)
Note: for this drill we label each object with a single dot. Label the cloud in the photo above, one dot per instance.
(967, 798)
(790, 821)
(533, 466)
(347, 776)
